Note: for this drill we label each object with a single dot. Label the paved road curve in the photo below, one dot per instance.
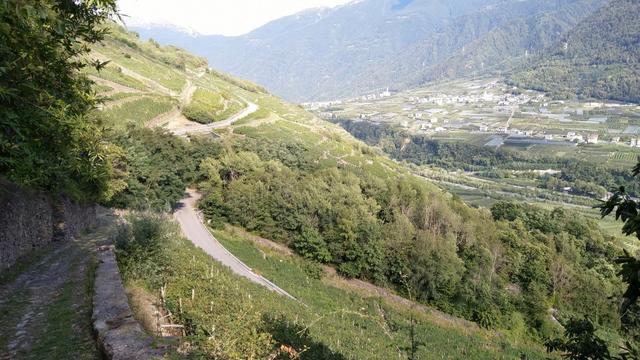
(194, 230)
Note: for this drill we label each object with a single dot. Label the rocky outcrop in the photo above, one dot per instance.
(119, 334)
(30, 220)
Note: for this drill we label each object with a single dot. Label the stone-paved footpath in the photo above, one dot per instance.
(45, 312)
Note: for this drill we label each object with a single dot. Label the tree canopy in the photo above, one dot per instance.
(48, 140)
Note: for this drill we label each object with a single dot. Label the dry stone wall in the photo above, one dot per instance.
(30, 220)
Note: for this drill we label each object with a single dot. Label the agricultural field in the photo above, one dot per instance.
(479, 111)
(113, 73)
(487, 142)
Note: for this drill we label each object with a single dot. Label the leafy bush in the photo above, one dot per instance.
(311, 245)
(313, 270)
(140, 242)
(398, 231)
(47, 139)
(156, 167)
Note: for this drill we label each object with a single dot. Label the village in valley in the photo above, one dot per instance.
(493, 113)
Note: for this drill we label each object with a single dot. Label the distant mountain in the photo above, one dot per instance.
(491, 39)
(372, 44)
(599, 58)
(302, 55)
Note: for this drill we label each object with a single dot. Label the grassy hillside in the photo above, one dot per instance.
(289, 176)
(599, 58)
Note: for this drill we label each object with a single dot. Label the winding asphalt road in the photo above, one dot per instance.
(193, 228)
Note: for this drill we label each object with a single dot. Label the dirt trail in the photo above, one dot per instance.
(46, 312)
(172, 119)
(207, 128)
(187, 93)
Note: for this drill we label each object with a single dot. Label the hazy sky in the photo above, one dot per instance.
(226, 17)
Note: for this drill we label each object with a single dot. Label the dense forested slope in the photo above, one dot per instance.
(600, 58)
(490, 39)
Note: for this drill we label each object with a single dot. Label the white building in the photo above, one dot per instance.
(572, 136)
(592, 139)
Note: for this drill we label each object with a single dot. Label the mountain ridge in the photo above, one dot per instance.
(365, 46)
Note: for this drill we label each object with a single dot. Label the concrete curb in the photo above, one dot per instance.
(119, 335)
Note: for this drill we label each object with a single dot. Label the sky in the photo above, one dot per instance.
(221, 17)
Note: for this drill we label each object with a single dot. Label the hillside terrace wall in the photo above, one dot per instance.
(30, 220)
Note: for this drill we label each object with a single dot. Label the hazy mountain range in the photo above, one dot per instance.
(368, 45)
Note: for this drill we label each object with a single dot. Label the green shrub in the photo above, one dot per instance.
(313, 269)
(311, 245)
(156, 167)
(140, 242)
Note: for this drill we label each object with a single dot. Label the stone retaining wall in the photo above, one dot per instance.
(119, 334)
(30, 220)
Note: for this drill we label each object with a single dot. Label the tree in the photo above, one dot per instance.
(581, 342)
(311, 245)
(47, 138)
(626, 210)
